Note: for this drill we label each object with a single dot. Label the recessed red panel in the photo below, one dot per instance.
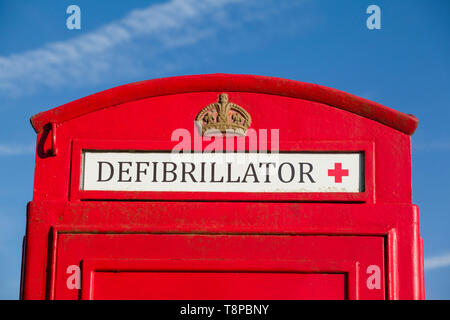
(219, 265)
(218, 286)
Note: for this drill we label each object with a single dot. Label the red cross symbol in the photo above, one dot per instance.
(337, 172)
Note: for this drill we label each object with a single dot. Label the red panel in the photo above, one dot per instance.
(285, 256)
(218, 286)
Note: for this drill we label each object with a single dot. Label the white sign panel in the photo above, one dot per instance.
(222, 172)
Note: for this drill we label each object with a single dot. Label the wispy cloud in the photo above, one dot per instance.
(369, 95)
(434, 145)
(111, 50)
(436, 262)
(88, 56)
(14, 150)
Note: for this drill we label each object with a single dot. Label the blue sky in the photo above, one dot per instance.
(405, 65)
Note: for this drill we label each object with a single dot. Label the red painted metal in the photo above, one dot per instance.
(231, 245)
(228, 83)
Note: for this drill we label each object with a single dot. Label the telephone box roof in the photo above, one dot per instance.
(227, 83)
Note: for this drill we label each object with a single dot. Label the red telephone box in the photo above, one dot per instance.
(138, 196)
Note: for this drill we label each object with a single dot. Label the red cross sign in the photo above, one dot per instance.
(338, 172)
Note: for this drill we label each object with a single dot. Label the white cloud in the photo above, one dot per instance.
(434, 145)
(436, 262)
(88, 57)
(13, 150)
(150, 42)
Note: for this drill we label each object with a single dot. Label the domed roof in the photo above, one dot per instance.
(227, 83)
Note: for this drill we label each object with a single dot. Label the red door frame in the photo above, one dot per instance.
(397, 223)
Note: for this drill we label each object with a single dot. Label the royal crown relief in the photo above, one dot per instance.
(223, 116)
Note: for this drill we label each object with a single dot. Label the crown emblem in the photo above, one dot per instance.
(223, 116)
